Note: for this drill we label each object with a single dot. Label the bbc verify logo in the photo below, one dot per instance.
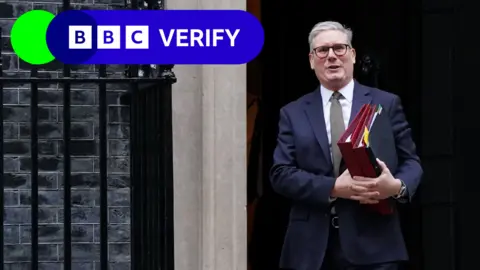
(136, 37)
(108, 37)
(155, 36)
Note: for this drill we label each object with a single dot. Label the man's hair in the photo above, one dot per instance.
(327, 26)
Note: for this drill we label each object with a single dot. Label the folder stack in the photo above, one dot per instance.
(369, 136)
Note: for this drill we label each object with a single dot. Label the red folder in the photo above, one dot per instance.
(359, 146)
(359, 158)
(345, 144)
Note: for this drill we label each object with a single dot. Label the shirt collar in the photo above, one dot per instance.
(346, 91)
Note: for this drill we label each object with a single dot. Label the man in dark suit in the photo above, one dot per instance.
(330, 224)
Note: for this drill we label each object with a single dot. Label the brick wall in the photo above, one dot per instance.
(85, 163)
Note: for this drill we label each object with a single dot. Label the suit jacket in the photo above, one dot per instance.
(302, 171)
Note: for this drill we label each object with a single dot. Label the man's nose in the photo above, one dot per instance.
(331, 55)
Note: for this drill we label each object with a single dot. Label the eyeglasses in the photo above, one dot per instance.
(338, 50)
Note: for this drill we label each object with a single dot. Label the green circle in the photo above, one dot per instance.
(29, 37)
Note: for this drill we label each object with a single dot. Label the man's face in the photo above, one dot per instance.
(332, 59)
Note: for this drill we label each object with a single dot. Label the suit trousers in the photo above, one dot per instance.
(335, 258)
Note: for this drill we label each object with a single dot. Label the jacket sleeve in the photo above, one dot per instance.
(409, 170)
(289, 180)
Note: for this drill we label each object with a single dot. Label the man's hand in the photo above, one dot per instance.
(385, 185)
(346, 188)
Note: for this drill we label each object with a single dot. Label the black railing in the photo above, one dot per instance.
(2, 154)
(151, 149)
(151, 160)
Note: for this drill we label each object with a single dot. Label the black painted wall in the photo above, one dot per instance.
(439, 209)
(85, 163)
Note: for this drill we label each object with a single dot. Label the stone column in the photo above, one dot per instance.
(209, 129)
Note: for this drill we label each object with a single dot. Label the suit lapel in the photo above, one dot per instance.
(314, 111)
(361, 95)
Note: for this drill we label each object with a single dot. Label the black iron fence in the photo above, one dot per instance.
(150, 160)
(152, 165)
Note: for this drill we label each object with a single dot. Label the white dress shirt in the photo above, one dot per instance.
(345, 102)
